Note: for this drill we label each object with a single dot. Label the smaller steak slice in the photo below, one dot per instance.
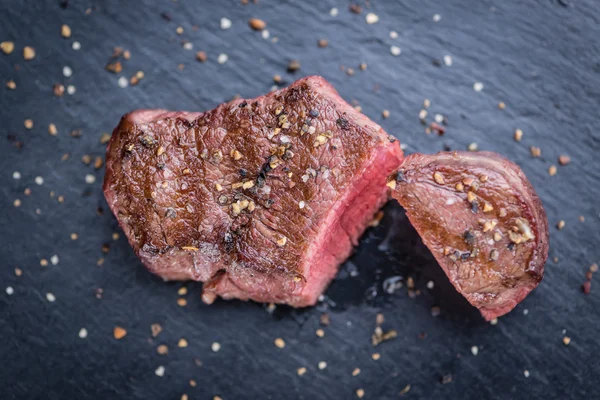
(480, 217)
(260, 199)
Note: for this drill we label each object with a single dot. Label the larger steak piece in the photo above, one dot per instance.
(481, 219)
(260, 199)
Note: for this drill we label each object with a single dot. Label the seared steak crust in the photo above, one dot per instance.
(481, 219)
(260, 199)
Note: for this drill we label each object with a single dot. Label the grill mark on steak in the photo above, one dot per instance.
(270, 248)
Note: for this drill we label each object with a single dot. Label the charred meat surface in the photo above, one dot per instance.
(481, 219)
(260, 199)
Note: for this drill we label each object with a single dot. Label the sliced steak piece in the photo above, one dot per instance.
(260, 199)
(481, 219)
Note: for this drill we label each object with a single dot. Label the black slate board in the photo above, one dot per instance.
(542, 58)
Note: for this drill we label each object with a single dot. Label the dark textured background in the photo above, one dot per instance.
(542, 58)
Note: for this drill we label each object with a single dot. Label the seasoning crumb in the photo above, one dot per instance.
(518, 135)
(356, 371)
(156, 329)
(201, 56)
(182, 343)
(405, 390)
(320, 332)
(162, 349)
(438, 178)
(566, 340)
(17, 203)
(535, 151)
(44, 262)
(123, 82)
(552, 170)
(222, 58)
(216, 346)
(322, 43)
(181, 302)
(560, 225)
(119, 333)
(385, 114)
(179, 30)
(18, 272)
(11, 85)
(28, 53)
(257, 24)
(372, 18)
(376, 356)
(280, 343)
(564, 159)
(28, 123)
(501, 105)
(52, 129)
(293, 66)
(225, 23)
(322, 365)
(301, 371)
(7, 47)
(360, 393)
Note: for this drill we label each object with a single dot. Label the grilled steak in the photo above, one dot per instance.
(260, 199)
(481, 219)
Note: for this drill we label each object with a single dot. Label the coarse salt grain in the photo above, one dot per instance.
(437, 17)
(160, 371)
(448, 60)
(50, 297)
(439, 118)
(39, 180)
(372, 18)
(16, 175)
(478, 86)
(9, 290)
(123, 82)
(526, 373)
(395, 50)
(71, 89)
(322, 365)
(222, 59)
(188, 46)
(334, 12)
(83, 333)
(67, 71)
(215, 346)
(393, 35)
(474, 350)
(301, 204)
(265, 34)
(89, 178)
(225, 23)
(54, 259)
(76, 46)
(430, 285)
